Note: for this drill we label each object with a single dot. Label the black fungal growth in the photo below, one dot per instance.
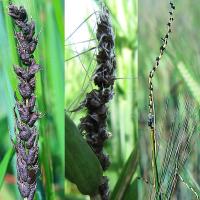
(93, 126)
(26, 132)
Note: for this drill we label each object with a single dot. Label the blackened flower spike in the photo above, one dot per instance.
(26, 145)
(93, 125)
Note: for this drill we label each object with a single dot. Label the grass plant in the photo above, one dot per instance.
(49, 23)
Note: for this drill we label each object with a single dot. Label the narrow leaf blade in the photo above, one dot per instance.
(4, 164)
(126, 176)
(82, 166)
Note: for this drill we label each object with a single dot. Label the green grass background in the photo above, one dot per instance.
(49, 20)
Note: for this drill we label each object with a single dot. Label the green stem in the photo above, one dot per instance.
(154, 163)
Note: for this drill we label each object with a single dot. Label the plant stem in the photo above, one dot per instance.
(154, 163)
(154, 151)
(152, 116)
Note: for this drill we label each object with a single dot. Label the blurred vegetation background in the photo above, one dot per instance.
(175, 83)
(49, 22)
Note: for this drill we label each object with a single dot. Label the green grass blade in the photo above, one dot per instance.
(132, 191)
(190, 182)
(126, 176)
(55, 61)
(82, 165)
(192, 84)
(4, 164)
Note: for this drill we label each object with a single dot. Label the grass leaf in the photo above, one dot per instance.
(132, 191)
(82, 165)
(193, 85)
(190, 182)
(126, 176)
(4, 164)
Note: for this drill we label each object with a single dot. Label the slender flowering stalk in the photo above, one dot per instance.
(93, 125)
(26, 145)
(152, 117)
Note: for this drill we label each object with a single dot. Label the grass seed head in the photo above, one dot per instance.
(93, 125)
(26, 133)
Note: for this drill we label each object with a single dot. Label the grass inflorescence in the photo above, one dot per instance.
(151, 116)
(26, 145)
(93, 125)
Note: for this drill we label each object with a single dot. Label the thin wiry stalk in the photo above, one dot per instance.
(81, 42)
(81, 25)
(73, 107)
(80, 53)
(26, 132)
(93, 126)
(151, 116)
